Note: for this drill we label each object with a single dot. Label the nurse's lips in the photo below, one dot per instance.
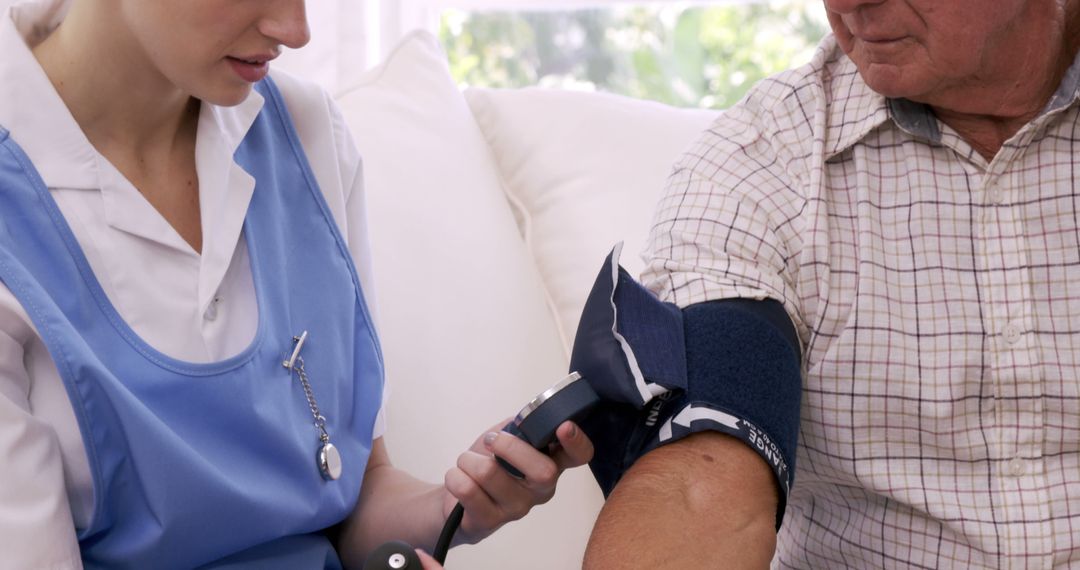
(251, 68)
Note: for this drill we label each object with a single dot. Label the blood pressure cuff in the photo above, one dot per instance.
(731, 366)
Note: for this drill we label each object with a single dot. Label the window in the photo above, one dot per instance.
(685, 54)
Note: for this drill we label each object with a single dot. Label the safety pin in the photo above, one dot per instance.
(299, 340)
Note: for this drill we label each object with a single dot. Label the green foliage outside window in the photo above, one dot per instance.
(685, 55)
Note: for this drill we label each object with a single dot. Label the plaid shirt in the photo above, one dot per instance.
(937, 296)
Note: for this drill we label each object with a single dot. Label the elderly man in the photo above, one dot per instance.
(912, 199)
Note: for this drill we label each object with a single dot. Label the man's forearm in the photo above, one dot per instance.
(708, 501)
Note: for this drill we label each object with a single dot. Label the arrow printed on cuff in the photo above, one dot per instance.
(691, 414)
(734, 426)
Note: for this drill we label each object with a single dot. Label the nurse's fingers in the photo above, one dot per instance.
(427, 562)
(482, 515)
(540, 471)
(512, 498)
(480, 445)
(574, 449)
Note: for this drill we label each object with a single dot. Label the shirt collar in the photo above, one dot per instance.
(1068, 91)
(864, 110)
(31, 109)
(916, 119)
(854, 110)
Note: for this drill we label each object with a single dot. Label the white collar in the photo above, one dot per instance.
(41, 124)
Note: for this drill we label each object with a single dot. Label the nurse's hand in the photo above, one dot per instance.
(491, 496)
(427, 561)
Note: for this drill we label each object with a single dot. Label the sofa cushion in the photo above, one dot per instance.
(585, 170)
(459, 298)
(466, 332)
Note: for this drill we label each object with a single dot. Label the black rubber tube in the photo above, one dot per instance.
(447, 535)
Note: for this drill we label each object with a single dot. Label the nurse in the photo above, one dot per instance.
(189, 371)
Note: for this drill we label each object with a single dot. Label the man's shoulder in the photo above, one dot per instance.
(807, 96)
(799, 114)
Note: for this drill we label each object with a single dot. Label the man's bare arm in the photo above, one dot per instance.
(707, 501)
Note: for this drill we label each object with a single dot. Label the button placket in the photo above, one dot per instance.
(211, 312)
(994, 193)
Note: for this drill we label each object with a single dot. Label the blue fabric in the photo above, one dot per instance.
(209, 464)
(618, 306)
(731, 366)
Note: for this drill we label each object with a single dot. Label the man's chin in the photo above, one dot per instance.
(893, 81)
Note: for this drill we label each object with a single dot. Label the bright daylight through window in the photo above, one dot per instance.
(685, 54)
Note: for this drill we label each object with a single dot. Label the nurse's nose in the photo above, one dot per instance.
(286, 23)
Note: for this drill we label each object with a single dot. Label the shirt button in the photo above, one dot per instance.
(1016, 467)
(1012, 333)
(211, 311)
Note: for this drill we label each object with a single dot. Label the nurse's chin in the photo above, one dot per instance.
(227, 97)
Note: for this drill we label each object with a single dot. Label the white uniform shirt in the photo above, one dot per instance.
(194, 307)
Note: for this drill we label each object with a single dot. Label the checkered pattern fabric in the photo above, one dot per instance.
(937, 297)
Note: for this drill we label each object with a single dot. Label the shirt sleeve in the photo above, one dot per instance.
(335, 160)
(725, 247)
(357, 235)
(36, 526)
(727, 225)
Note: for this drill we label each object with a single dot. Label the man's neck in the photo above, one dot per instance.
(988, 133)
(989, 118)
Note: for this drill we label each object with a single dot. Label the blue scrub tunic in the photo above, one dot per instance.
(209, 464)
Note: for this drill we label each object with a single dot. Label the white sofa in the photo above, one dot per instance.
(490, 213)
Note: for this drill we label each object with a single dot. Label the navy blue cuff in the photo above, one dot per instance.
(743, 357)
(743, 379)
